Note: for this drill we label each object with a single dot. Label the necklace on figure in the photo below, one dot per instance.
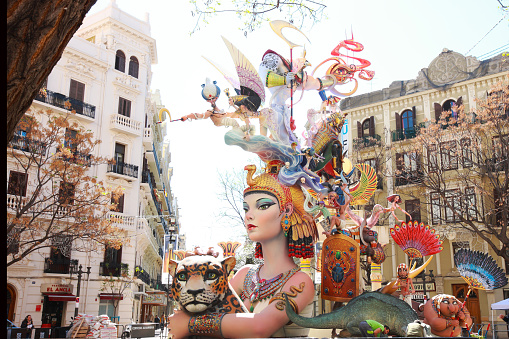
(256, 289)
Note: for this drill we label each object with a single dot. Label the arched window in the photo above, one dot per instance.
(133, 67)
(365, 128)
(120, 61)
(407, 119)
(447, 105)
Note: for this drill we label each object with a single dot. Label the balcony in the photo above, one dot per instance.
(147, 138)
(59, 265)
(409, 133)
(120, 220)
(143, 226)
(124, 169)
(22, 143)
(497, 164)
(67, 103)
(125, 124)
(404, 179)
(141, 274)
(112, 269)
(368, 141)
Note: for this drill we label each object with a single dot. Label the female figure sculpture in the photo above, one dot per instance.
(276, 220)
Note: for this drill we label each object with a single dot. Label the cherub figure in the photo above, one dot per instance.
(337, 221)
(405, 283)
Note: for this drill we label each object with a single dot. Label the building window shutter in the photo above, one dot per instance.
(398, 121)
(120, 61)
(438, 111)
(399, 161)
(359, 129)
(133, 67)
(124, 107)
(372, 126)
(414, 115)
(77, 90)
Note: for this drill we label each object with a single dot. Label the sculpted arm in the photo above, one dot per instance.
(268, 321)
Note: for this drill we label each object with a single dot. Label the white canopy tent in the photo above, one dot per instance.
(499, 305)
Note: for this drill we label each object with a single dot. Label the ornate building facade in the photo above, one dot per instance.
(104, 75)
(384, 122)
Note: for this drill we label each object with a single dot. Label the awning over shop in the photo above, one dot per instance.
(111, 296)
(61, 297)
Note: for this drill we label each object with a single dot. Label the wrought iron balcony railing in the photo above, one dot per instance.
(124, 169)
(409, 178)
(59, 265)
(141, 274)
(65, 102)
(112, 269)
(367, 141)
(22, 143)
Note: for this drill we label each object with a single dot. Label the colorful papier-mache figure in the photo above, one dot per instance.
(276, 220)
(446, 315)
(405, 283)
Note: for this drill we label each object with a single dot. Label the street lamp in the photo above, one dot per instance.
(79, 272)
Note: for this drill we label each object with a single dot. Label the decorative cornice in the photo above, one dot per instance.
(84, 59)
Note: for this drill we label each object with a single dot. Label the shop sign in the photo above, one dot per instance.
(56, 288)
(154, 298)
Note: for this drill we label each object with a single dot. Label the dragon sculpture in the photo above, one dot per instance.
(376, 306)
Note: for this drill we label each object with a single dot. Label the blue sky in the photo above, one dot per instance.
(399, 37)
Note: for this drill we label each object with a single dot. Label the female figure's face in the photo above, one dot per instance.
(262, 218)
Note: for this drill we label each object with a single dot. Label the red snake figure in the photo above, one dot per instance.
(343, 72)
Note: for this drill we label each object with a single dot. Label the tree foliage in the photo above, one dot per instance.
(37, 34)
(463, 170)
(254, 13)
(52, 194)
(116, 286)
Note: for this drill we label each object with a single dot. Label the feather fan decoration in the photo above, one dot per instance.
(479, 270)
(416, 239)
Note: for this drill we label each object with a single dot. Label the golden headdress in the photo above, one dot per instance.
(299, 226)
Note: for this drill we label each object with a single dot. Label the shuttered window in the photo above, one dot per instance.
(124, 107)
(133, 67)
(77, 90)
(120, 61)
(17, 183)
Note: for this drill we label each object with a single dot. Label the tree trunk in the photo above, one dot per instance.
(37, 34)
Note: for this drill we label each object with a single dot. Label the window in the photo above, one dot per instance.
(469, 204)
(413, 207)
(466, 152)
(119, 153)
(70, 139)
(17, 183)
(457, 245)
(77, 90)
(366, 126)
(452, 199)
(113, 255)
(435, 209)
(407, 120)
(119, 201)
(106, 307)
(59, 259)
(432, 158)
(66, 193)
(120, 61)
(124, 107)
(133, 67)
(448, 155)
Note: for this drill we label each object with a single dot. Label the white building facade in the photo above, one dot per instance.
(105, 74)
